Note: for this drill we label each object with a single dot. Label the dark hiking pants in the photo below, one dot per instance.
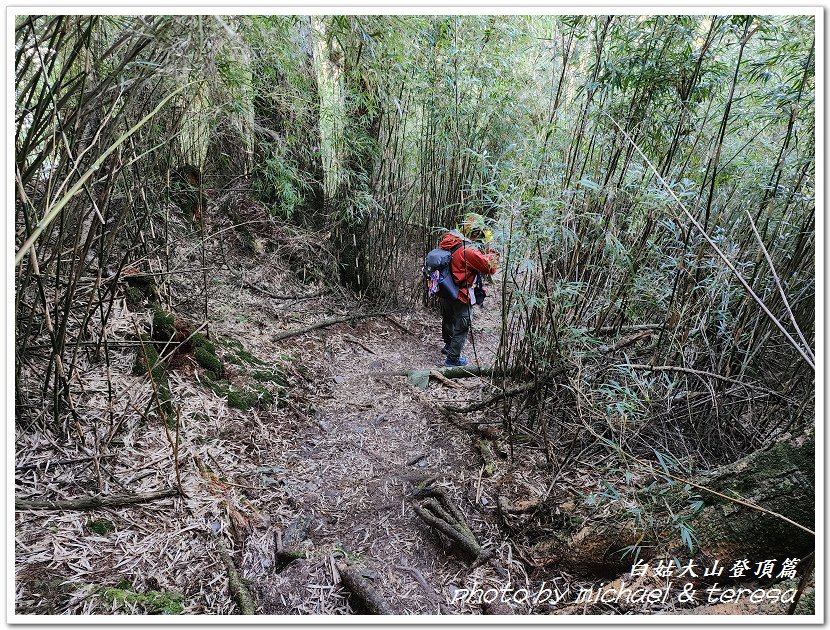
(457, 318)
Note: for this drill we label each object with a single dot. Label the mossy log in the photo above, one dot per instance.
(760, 506)
(420, 377)
(781, 479)
(95, 501)
(466, 371)
(236, 587)
(368, 597)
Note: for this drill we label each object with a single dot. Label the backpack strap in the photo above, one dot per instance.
(454, 249)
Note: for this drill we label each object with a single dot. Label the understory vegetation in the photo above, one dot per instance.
(649, 183)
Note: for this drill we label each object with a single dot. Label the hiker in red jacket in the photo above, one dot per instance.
(466, 263)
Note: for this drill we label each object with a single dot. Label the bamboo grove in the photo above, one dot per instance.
(648, 176)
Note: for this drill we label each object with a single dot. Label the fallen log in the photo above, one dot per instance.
(420, 377)
(465, 371)
(236, 586)
(369, 599)
(95, 501)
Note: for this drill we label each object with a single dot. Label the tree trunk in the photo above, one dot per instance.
(779, 479)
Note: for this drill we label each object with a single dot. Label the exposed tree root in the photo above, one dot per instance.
(419, 578)
(436, 509)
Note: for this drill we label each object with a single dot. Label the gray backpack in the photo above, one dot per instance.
(437, 272)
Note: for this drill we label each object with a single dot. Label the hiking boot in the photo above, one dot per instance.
(459, 362)
(445, 349)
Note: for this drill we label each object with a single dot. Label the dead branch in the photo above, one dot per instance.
(488, 456)
(358, 342)
(400, 326)
(443, 379)
(323, 324)
(626, 341)
(507, 393)
(97, 501)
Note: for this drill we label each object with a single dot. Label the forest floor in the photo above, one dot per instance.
(345, 450)
(342, 451)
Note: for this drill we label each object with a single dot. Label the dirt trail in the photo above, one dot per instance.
(369, 441)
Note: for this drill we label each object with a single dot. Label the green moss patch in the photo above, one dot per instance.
(163, 325)
(153, 602)
(200, 341)
(244, 398)
(238, 355)
(147, 353)
(101, 526)
(208, 360)
(135, 296)
(253, 383)
(269, 376)
(140, 288)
